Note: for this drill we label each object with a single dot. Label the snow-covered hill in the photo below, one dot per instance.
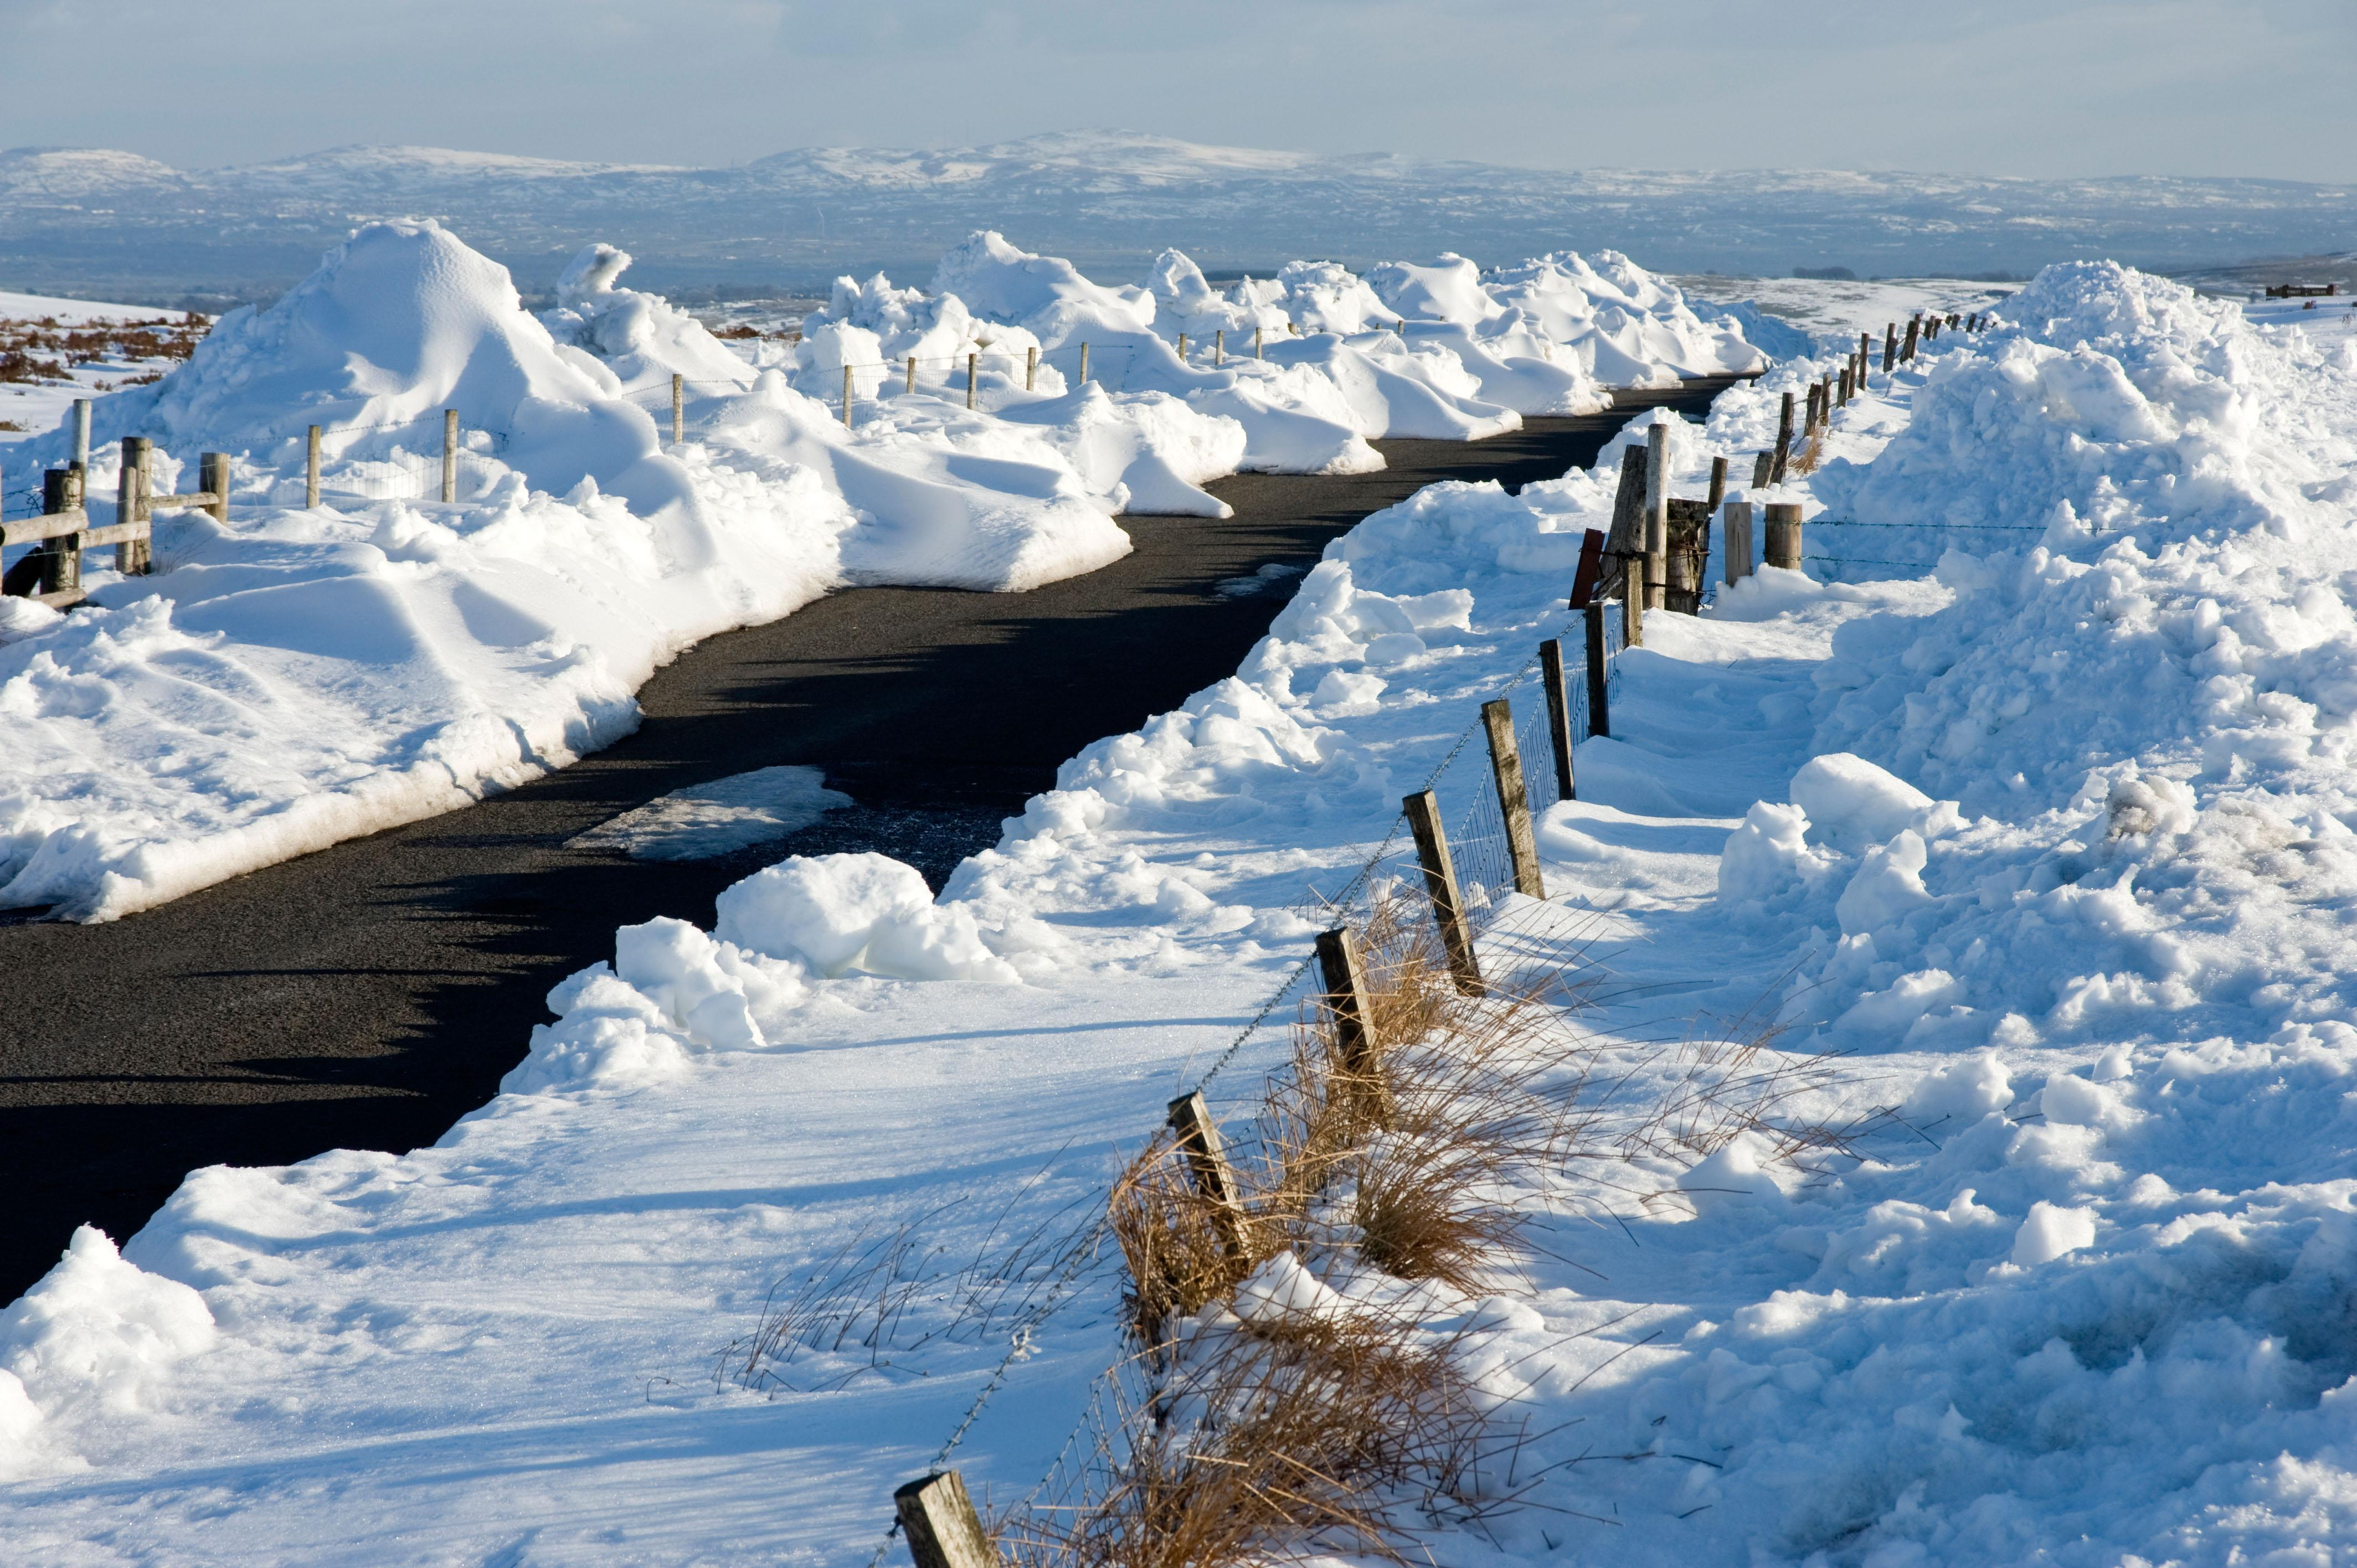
(79, 219)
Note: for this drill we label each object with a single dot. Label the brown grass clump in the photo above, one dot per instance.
(1324, 1432)
(1229, 1440)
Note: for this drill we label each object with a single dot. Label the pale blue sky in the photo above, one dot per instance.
(2040, 88)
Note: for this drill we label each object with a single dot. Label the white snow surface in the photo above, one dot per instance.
(2052, 845)
(301, 675)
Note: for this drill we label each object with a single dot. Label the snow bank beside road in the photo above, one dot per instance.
(296, 677)
(301, 676)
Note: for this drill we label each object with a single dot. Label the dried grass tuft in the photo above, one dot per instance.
(1339, 1433)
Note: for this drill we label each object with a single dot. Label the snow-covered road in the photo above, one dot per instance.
(2044, 848)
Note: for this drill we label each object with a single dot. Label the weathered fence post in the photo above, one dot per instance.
(910, 384)
(1657, 516)
(1255, 342)
(133, 556)
(943, 1530)
(81, 433)
(1600, 672)
(1207, 1161)
(212, 478)
(1784, 535)
(1513, 799)
(1783, 442)
(1890, 346)
(973, 363)
(1423, 810)
(1220, 347)
(1737, 515)
(1031, 368)
(1182, 348)
(1558, 701)
(1760, 467)
(449, 455)
(846, 397)
(61, 555)
(1865, 357)
(1085, 364)
(311, 467)
(1906, 347)
(1847, 381)
(1355, 1045)
(1626, 542)
(1717, 482)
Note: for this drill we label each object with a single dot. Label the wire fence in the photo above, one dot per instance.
(1834, 568)
(397, 473)
(1465, 782)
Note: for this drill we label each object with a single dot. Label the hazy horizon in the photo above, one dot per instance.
(2066, 89)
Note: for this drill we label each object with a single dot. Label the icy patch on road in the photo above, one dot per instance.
(718, 818)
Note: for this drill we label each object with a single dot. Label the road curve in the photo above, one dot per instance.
(368, 995)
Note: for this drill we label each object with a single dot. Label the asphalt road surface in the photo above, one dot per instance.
(369, 996)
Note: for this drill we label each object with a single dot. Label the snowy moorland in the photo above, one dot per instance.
(2029, 837)
(300, 674)
(77, 213)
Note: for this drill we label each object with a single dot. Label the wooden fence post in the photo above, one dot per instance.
(1737, 515)
(1207, 1161)
(1865, 359)
(133, 556)
(1784, 535)
(1085, 364)
(1717, 482)
(973, 363)
(1848, 380)
(1220, 347)
(1031, 368)
(943, 1530)
(1906, 347)
(1783, 442)
(1625, 543)
(1761, 466)
(61, 555)
(449, 455)
(81, 433)
(311, 467)
(1255, 342)
(1354, 1036)
(1599, 674)
(1558, 701)
(1423, 810)
(678, 408)
(846, 397)
(1182, 348)
(1890, 346)
(213, 477)
(911, 383)
(1657, 516)
(1513, 799)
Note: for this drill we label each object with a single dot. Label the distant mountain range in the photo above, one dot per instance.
(115, 225)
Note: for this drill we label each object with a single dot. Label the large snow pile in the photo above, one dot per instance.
(299, 676)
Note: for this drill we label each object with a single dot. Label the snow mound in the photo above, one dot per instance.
(97, 1337)
(641, 339)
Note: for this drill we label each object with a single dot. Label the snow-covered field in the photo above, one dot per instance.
(56, 351)
(2048, 848)
(300, 676)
